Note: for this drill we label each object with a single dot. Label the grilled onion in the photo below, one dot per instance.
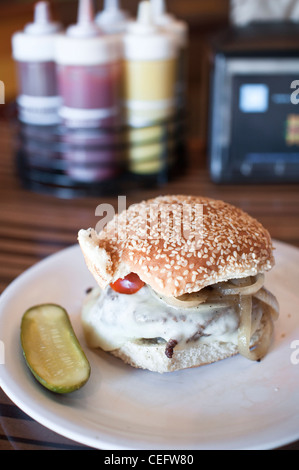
(258, 351)
(240, 287)
(186, 300)
(268, 298)
(244, 335)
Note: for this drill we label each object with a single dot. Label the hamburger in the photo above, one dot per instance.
(180, 284)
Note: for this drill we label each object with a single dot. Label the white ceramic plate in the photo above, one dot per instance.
(232, 404)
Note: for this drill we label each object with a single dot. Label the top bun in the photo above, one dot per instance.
(178, 244)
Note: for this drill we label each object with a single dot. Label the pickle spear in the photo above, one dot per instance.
(52, 350)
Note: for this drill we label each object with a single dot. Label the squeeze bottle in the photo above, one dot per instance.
(89, 71)
(150, 57)
(33, 50)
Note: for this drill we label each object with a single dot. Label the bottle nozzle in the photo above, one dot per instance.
(112, 19)
(144, 15)
(144, 23)
(111, 5)
(86, 26)
(159, 7)
(42, 13)
(161, 16)
(85, 12)
(43, 23)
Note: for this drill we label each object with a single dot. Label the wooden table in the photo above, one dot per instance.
(34, 226)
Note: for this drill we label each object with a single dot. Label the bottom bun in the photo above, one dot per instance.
(151, 356)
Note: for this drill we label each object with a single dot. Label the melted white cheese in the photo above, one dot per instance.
(111, 319)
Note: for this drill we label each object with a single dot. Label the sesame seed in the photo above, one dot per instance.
(149, 239)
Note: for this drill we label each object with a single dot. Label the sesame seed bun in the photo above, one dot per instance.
(178, 244)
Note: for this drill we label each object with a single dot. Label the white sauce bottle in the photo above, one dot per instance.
(89, 66)
(34, 52)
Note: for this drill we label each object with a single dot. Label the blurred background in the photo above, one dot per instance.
(204, 17)
(237, 50)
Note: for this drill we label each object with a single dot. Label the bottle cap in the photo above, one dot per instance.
(25, 45)
(169, 22)
(84, 43)
(85, 26)
(112, 19)
(144, 23)
(43, 23)
(151, 43)
(161, 16)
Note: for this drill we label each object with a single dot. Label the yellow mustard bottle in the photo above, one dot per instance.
(150, 64)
